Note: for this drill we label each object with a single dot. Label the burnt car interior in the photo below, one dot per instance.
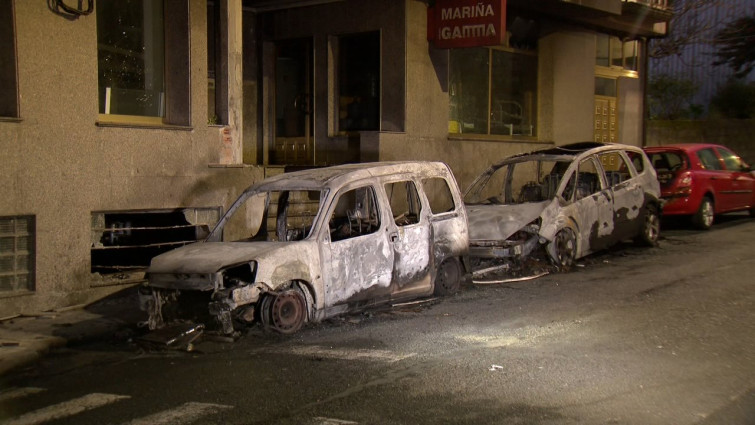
(404, 201)
(285, 216)
(520, 182)
(355, 214)
(666, 163)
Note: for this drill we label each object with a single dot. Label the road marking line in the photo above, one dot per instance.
(332, 421)
(66, 408)
(185, 413)
(346, 353)
(18, 393)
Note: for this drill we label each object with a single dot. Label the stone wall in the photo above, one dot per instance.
(739, 135)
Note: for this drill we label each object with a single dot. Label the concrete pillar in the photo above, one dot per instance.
(567, 86)
(232, 15)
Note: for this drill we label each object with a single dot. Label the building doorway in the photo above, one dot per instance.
(606, 127)
(293, 142)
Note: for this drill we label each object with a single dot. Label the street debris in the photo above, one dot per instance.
(176, 337)
(509, 280)
(495, 367)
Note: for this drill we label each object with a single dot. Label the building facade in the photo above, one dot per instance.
(128, 127)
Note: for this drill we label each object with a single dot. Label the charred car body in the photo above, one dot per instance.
(560, 204)
(308, 245)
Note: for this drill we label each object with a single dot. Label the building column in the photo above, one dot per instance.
(231, 23)
(566, 86)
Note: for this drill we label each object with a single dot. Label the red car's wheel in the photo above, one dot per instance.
(705, 215)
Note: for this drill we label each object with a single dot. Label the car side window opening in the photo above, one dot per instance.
(709, 159)
(667, 161)
(439, 195)
(637, 162)
(732, 161)
(404, 201)
(588, 179)
(616, 168)
(355, 214)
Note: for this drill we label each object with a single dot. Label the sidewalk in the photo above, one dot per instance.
(27, 338)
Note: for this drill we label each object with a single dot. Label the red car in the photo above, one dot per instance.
(702, 180)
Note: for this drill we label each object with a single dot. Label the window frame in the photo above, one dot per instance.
(176, 75)
(614, 71)
(9, 99)
(31, 253)
(487, 135)
(727, 155)
(713, 155)
(335, 75)
(415, 206)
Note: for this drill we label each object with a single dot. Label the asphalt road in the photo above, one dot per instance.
(633, 336)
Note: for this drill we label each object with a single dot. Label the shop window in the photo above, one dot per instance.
(611, 51)
(404, 202)
(493, 92)
(17, 254)
(142, 53)
(439, 195)
(8, 74)
(126, 241)
(359, 82)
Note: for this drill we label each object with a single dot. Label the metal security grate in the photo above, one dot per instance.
(126, 241)
(17, 254)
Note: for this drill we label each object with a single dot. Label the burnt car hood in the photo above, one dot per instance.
(499, 222)
(210, 257)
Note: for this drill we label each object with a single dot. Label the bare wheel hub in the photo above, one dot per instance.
(288, 311)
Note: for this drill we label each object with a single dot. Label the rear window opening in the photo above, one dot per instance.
(124, 242)
(667, 161)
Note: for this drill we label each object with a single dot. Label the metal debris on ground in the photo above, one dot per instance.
(177, 337)
(509, 280)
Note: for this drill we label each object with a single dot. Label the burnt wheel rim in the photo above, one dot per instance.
(448, 277)
(288, 311)
(566, 248)
(652, 226)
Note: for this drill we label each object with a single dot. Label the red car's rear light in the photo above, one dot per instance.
(685, 179)
(683, 185)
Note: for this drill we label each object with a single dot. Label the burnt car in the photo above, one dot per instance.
(558, 204)
(307, 245)
(700, 180)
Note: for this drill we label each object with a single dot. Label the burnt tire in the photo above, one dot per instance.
(447, 277)
(651, 228)
(263, 310)
(705, 215)
(563, 249)
(284, 312)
